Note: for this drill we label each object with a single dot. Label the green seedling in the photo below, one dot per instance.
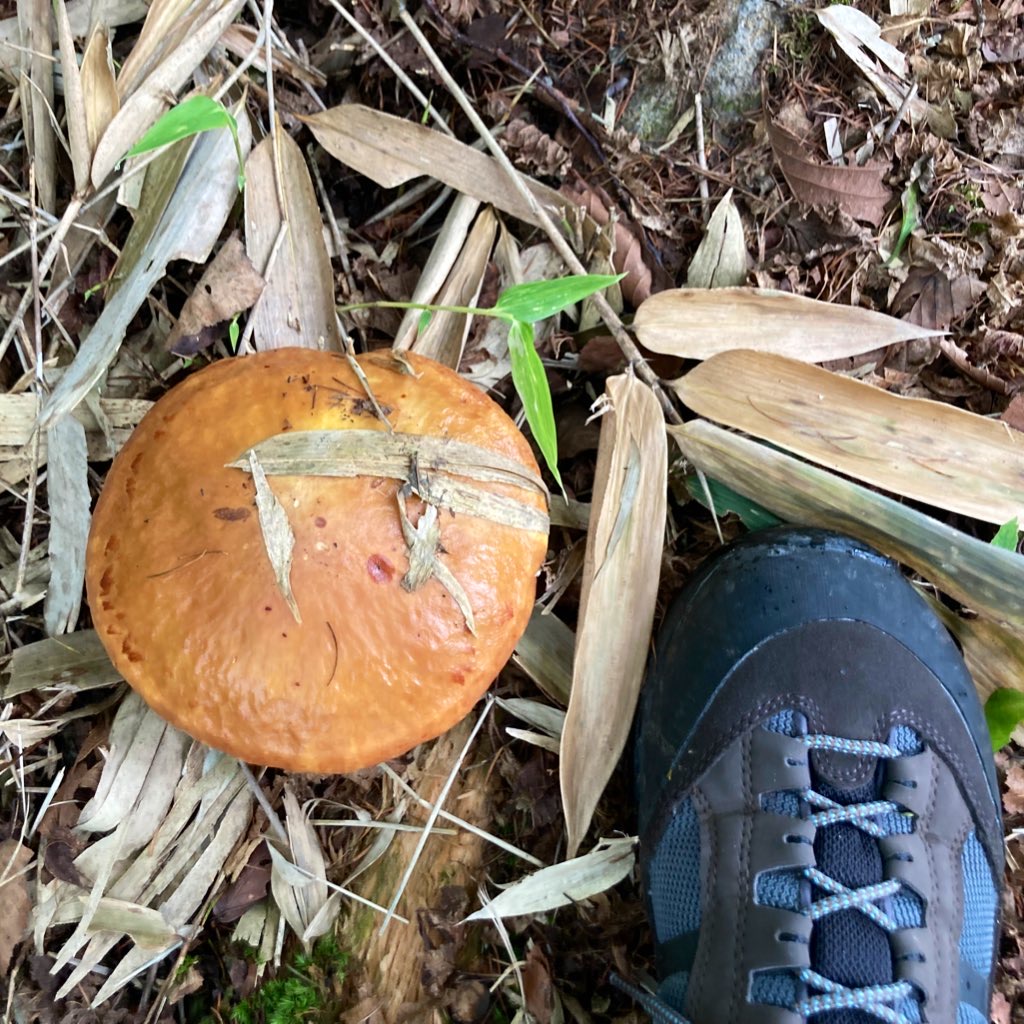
(521, 306)
(190, 117)
(911, 219)
(233, 334)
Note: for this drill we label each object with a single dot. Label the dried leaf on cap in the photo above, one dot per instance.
(695, 324)
(931, 451)
(561, 884)
(622, 568)
(278, 538)
(426, 462)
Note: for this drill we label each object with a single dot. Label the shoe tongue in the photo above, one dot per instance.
(847, 946)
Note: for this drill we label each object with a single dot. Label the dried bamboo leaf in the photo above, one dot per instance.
(561, 884)
(537, 739)
(278, 538)
(444, 338)
(541, 716)
(450, 242)
(545, 653)
(143, 925)
(622, 568)
(297, 304)
(99, 87)
(188, 228)
(298, 880)
(69, 504)
(427, 462)
(36, 92)
(75, 661)
(930, 451)
(392, 151)
(721, 258)
(169, 49)
(980, 576)
(695, 324)
(74, 100)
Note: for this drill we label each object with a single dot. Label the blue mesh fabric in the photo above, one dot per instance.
(782, 721)
(672, 990)
(907, 909)
(774, 988)
(781, 801)
(905, 739)
(967, 1014)
(778, 889)
(978, 933)
(674, 876)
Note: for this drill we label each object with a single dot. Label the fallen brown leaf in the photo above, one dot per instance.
(696, 323)
(229, 285)
(930, 451)
(297, 304)
(14, 897)
(621, 570)
(858, 191)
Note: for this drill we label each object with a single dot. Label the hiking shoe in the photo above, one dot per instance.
(820, 835)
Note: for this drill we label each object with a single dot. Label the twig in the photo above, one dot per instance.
(608, 315)
(904, 106)
(702, 158)
(423, 101)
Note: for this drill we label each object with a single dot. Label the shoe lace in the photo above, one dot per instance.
(824, 995)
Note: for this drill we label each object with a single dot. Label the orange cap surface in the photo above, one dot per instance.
(185, 599)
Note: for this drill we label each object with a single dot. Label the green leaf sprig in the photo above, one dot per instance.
(521, 306)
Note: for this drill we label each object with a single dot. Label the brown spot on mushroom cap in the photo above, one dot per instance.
(212, 646)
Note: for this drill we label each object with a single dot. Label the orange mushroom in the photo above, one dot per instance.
(409, 583)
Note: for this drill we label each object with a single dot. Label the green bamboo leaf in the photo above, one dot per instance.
(190, 117)
(1004, 711)
(753, 516)
(1006, 538)
(532, 385)
(537, 300)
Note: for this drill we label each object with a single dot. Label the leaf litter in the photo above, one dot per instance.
(146, 860)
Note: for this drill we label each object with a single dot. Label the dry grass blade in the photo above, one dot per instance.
(448, 247)
(930, 451)
(76, 661)
(74, 100)
(177, 35)
(444, 337)
(622, 568)
(980, 576)
(696, 324)
(297, 304)
(187, 228)
(428, 463)
(299, 880)
(36, 91)
(561, 884)
(721, 258)
(69, 503)
(18, 413)
(391, 151)
(545, 652)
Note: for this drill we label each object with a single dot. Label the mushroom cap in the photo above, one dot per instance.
(186, 602)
